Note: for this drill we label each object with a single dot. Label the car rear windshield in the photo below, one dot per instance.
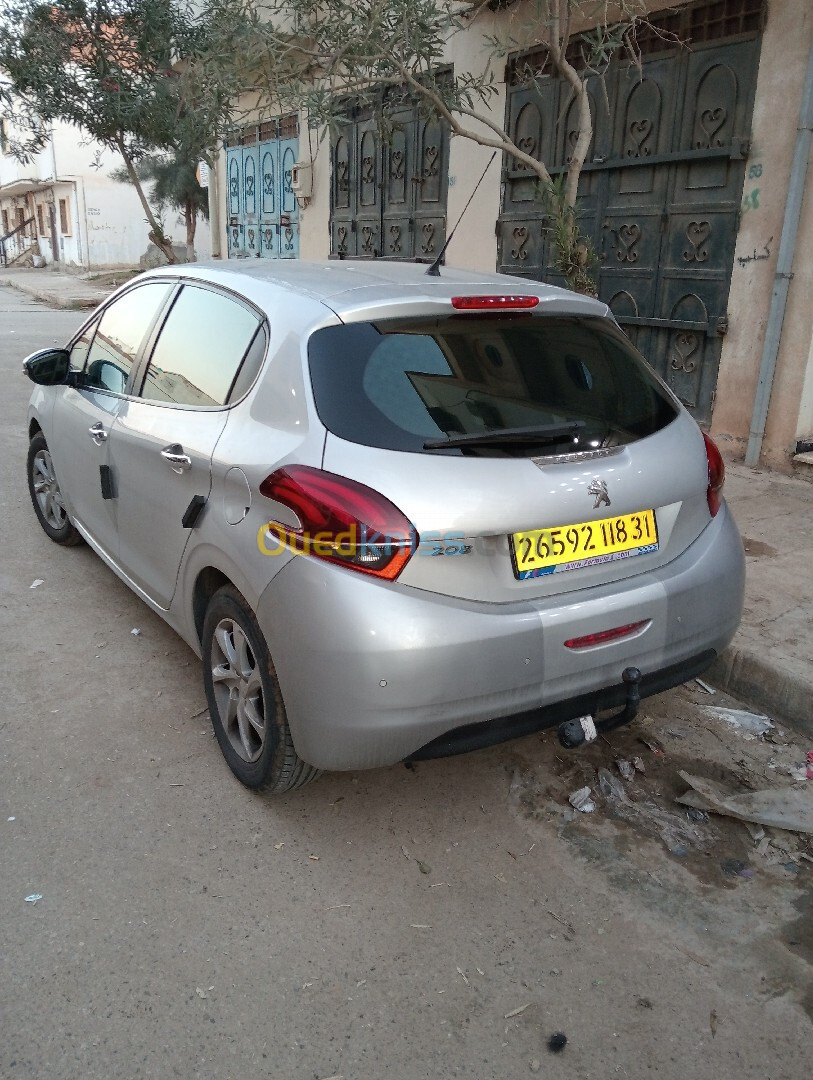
(519, 385)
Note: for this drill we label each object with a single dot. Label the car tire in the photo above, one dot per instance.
(245, 702)
(46, 495)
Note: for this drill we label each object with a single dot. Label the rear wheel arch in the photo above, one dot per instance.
(207, 583)
(244, 698)
(34, 428)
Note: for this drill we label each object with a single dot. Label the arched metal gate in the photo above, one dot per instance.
(661, 191)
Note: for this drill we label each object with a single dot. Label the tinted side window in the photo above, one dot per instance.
(251, 365)
(79, 352)
(122, 329)
(200, 349)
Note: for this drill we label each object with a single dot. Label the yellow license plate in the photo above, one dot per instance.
(570, 547)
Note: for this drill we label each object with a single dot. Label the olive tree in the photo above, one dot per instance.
(314, 54)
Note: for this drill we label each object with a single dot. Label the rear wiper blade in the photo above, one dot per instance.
(546, 433)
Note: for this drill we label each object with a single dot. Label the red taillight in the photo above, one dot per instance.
(605, 635)
(714, 492)
(341, 521)
(493, 303)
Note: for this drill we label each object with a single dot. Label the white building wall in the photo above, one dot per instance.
(106, 224)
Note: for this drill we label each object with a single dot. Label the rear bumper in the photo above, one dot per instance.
(372, 672)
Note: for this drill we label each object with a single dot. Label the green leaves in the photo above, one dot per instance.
(117, 69)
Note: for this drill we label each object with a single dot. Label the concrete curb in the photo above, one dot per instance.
(784, 696)
(66, 303)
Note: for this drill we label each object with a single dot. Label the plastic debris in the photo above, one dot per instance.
(314, 858)
(11, 819)
(705, 686)
(200, 993)
(638, 762)
(423, 867)
(463, 976)
(564, 922)
(33, 898)
(626, 768)
(750, 723)
(756, 832)
(782, 808)
(680, 851)
(516, 1012)
(735, 868)
(582, 800)
(611, 786)
(697, 816)
(557, 1043)
(536, 1065)
(135, 632)
(36, 583)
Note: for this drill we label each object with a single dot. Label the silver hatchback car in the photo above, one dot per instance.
(397, 515)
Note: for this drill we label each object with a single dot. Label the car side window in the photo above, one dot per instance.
(122, 330)
(251, 366)
(79, 350)
(200, 349)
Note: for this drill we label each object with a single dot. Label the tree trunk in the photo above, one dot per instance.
(191, 217)
(156, 233)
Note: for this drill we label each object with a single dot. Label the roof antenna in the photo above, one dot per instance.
(434, 269)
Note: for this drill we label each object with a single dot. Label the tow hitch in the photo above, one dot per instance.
(584, 729)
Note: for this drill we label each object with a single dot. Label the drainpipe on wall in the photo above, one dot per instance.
(784, 266)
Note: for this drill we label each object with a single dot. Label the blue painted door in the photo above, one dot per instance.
(234, 201)
(263, 214)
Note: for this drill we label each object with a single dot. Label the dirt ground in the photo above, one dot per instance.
(437, 921)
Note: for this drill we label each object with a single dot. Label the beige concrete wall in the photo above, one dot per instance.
(785, 46)
(314, 219)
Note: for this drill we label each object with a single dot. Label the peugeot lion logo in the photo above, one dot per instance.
(599, 489)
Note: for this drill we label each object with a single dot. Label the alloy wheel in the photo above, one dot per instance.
(238, 690)
(46, 491)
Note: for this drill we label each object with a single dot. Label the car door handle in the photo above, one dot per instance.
(98, 434)
(177, 460)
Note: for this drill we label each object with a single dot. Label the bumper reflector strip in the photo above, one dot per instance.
(605, 635)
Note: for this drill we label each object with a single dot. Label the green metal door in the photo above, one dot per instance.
(660, 193)
(388, 196)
